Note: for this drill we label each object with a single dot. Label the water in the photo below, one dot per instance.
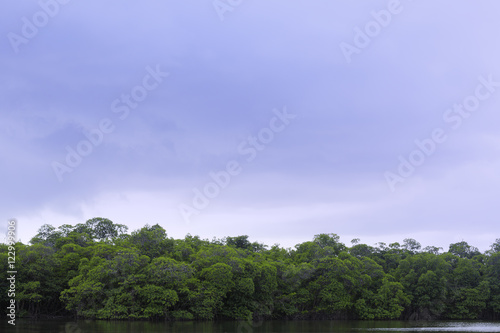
(445, 327)
(87, 326)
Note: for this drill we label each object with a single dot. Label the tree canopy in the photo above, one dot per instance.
(97, 270)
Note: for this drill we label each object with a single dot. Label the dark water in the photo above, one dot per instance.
(82, 326)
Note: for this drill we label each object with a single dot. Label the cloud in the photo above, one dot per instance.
(324, 173)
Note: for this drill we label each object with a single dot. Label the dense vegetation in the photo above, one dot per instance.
(97, 270)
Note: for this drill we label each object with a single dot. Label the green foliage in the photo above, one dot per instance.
(96, 270)
(152, 241)
(463, 250)
(240, 242)
(495, 247)
(156, 300)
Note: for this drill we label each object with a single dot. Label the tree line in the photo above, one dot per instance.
(98, 270)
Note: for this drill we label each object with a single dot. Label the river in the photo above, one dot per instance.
(88, 326)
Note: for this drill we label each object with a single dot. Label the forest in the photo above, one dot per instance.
(98, 270)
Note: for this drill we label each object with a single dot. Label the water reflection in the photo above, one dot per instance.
(87, 326)
(445, 327)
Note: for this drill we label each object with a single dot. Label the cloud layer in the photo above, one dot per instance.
(69, 67)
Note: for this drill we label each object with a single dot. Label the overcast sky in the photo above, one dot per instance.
(277, 119)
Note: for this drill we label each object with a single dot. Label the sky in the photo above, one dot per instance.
(274, 119)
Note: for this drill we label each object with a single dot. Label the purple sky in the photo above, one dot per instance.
(377, 121)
